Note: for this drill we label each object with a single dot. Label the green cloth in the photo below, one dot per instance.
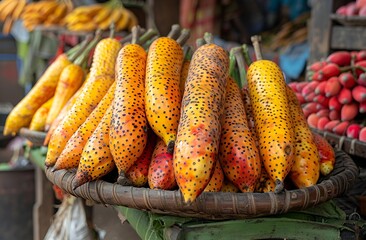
(324, 220)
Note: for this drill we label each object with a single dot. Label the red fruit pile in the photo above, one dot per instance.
(334, 98)
(356, 8)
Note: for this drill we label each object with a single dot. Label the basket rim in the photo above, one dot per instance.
(219, 205)
(349, 145)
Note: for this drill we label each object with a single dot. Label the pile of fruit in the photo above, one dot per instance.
(356, 8)
(62, 13)
(169, 121)
(334, 98)
(100, 16)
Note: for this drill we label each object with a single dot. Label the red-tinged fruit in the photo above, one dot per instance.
(293, 86)
(349, 111)
(311, 106)
(330, 70)
(342, 11)
(334, 104)
(334, 115)
(161, 172)
(310, 97)
(238, 153)
(359, 94)
(333, 87)
(330, 125)
(360, 3)
(139, 171)
(320, 89)
(347, 80)
(359, 66)
(317, 77)
(345, 96)
(362, 135)
(340, 58)
(341, 128)
(300, 86)
(323, 113)
(326, 154)
(362, 11)
(361, 80)
(309, 88)
(322, 122)
(316, 66)
(351, 10)
(353, 130)
(313, 120)
(361, 55)
(198, 138)
(362, 107)
(300, 98)
(324, 101)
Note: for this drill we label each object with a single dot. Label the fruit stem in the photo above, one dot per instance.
(174, 31)
(112, 29)
(84, 55)
(256, 44)
(184, 36)
(233, 70)
(208, 37)
(135, 34)
(74, 52)
(247, 58)
(240, 61)
(149, 34)
(188, 52)
(128, 37)
(150, 41)
(200, 42)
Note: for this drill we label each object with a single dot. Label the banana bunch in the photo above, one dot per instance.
(45, 12)
(100, 16)
(10, 11)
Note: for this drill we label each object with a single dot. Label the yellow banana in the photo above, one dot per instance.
(103, 14)
(123, 21)
(8, 10)
(19, 9)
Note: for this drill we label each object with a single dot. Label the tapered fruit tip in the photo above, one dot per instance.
(123, 180)
(80, 179)
(326, 168)
(279, 186)
(170, 148)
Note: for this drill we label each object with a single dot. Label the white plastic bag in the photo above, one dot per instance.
(69, 222)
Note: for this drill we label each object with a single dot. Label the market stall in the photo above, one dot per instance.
(186, 135)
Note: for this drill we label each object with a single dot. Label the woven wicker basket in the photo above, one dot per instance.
(349, 20)
(36, 137)
(208, 205)
(214, 205)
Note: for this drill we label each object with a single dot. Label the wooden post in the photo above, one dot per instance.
(43, 207)
(320, 30)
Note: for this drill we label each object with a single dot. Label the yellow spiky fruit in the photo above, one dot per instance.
(272, 116)
(96, 159)
(128, 134)
(199, 130)
(162, 94)
(305, 171)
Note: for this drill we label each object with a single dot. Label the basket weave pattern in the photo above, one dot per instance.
(221, 205)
